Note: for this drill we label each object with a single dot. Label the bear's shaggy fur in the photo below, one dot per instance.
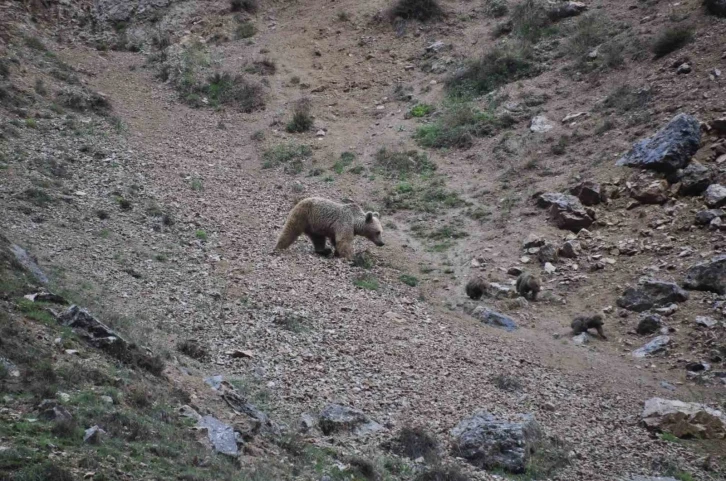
(476, 287)
(528, 285)
(322, 219)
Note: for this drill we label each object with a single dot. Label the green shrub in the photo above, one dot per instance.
(224, 88)
(499, 66)
(367, 282)
(302, 120)
(496, 8)
(530, 20)
(197, 184)
(421, 110)
(245, 30)
(626, 98)
(672, 39)
(396, 162)
(43, 472)
(200, 234)
(408, 279)
(422, 10)
(346, 158)
(35, 44)
(266, 66)
(31, 123)
(458, 127)
(363, 260)
(291, 155)
(588, 32)
(246, 5)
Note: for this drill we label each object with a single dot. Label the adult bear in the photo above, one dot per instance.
(321, 219)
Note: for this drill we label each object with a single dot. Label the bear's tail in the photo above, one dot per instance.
(294, 226)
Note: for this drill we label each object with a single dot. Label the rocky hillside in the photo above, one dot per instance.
(151, 150)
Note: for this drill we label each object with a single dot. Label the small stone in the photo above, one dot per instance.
(514, 271)
(707, 322)
(533, 240)
(648, 324)
(656, 345)
(667, 310)
(94, 435)
(684, 68)
(524, 260)
(107, 399)
(540, 124)
(715, 195)
(63, 397)
(571, 117)
(320, 133)
(581, 339)
(549, 268)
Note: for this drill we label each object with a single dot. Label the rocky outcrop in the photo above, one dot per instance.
(655, 192)
(694, 179)
(221, 436)
(656, 345)
(589, 193)
(335, 418)
(684, 420)
(651, 293)
(493, 318)
(715, 196)
(707, 276)
(566, 211)
(491, 443)
(670, 149)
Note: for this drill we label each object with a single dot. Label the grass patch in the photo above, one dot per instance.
(669, 437)
(530, 20)
(363, 260)
(447, 232)
(266, 66)
(346, 158)
(192, 348)
(249, 6)
(367, 282)
(196, 184)
(245, 30)
(200, 234)
(399, 163)
(672, 39)
(36, 311)
(458, 127)
(302, 120)
(291, 155)
(590, 31)
(226, 89)
(423, 197)
(496, 8)
(499, 66)
(626, 98)
(37, 197)
(408, 279)
(421, 110)
(421, 10)
(35, 43)
(291, 321)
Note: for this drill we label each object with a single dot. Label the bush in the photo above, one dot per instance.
(626, 98)
(416, 442)
(409, 280)
(507, 383)
(459, 126)
(292, 155)
(35, 44)
(246, 5)
(265, 66)
(245, 30)
(421, 110)
(412, 161)
(422, 10)
(671, 40)
(302, 120)
(442, 473)
(499, 66)
(43, 472)
(192, 348)
(223, 88)
(496, 8)
(589, 31)
(367, 282)
(530, 20)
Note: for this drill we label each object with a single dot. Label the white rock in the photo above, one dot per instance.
(549, 268)
(540, 124)
(705, 321)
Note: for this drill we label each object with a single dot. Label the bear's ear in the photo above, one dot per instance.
(376, 214)
(369, 216)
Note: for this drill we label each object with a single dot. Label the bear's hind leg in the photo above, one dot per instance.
(344, 247)
(319, 244)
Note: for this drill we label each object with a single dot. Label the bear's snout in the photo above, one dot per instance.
(380, 243)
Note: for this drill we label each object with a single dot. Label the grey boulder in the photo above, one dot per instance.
(491, 443)
(651, 293)
(707, 276)
(684, 419)
(705, 217)
(566, 211)
(656, 345)
(649, 324)
(588, 192)
(221, 436)
(493, 318)
(715, 196)
(336, 418)
(669, 149)
(694, 179)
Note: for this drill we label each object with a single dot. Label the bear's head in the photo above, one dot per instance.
(372, 229)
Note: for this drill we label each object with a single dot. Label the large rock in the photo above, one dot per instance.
(570, 249)
(493, 318)
(684, 420)
(694, 179)
(705, 217)
(221, 436)
(651, 293)
(670, 149)
(491, 443)
(649, 324)
(566, 9)
(715, 196)
(548, 253)
(78, 318)
(588, 192)
(566, 211)
(716, 7)
(656, 345)
(540, 124)
(655, 192)
(707, 276)
(336, 418)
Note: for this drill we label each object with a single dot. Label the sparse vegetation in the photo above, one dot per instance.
(422, 10)
(408, 279)
(399, 163)
(37, 196)
(559, 147)
(192, 348)
(496, 8)
(245, 30)
(200, 234)
(196, 184)
(302, 120)
(249, 6)
(530, 20)
(507, 383)
(367, 282)
(225, 89)
(291, 155)
(346, 158)
(499, 66)
(626, 99)
(414, 442)
(31, 123)
(421, 110)
(363, 260)
(458, 127)
(442, 473)
(266, 66)
(669, 437)
(36, 44)
(672, 39)
(429, 196)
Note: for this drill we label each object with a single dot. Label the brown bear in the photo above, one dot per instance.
(322, 219)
